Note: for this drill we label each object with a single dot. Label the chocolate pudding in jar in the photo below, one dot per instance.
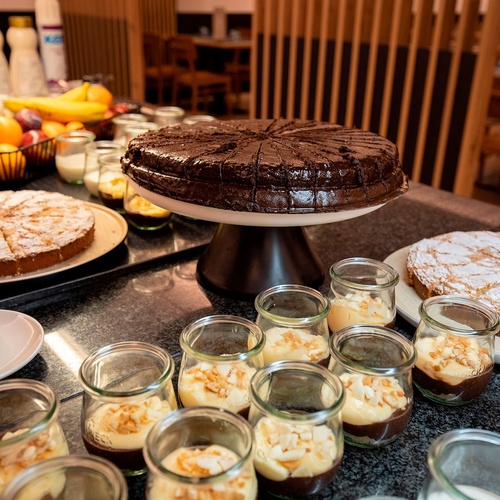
(295, 413)
(362, 292)
(374, 365)
(455, 345)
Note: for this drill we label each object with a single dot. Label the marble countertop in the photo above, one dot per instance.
(152, 294)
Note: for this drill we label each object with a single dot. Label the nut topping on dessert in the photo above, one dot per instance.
(286, 343)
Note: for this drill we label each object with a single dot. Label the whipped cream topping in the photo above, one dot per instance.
(293, 450)
(451, 359)
(297, 344)
(125, 426)
(15, 458)
(138, 205)
(358, 308)
(221, 385)
(114, 187)
(204, 462)
(371, 399)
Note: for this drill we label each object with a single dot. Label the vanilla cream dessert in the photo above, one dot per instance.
(50, 486)
(359, 308)
(198, 462)
(371, 399)
(300, 458)
(216, 384)
(125, 426)
(140, 206)
(296, 344)
(452, 368)
(17, 457)
(114, 187)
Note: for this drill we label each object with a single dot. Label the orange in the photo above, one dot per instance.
(53, 129)
(74, 125)
(11, 131)
(12, 162)
(98, 93)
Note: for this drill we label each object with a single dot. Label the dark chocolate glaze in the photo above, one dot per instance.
(465, 391)
(380, 432)
(275, 166)
(298, 487)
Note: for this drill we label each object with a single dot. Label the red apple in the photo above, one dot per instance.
(32, 137)
(41, 154)
(29, 119)
(120, 108)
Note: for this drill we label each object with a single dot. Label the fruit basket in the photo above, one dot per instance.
(36, 160)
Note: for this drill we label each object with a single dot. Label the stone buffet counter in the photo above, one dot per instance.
(151, 294)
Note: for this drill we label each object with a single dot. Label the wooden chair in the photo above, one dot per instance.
(239, 67)
(158, 72)
(417, 73)
(201, 83)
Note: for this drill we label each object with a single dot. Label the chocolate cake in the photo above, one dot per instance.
(268, 166)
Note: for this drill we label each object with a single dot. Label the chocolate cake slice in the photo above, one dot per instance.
(268, 166)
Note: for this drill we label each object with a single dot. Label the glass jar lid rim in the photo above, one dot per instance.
(392, 275)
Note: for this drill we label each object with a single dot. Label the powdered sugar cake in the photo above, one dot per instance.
(39, 229)
(457, 263)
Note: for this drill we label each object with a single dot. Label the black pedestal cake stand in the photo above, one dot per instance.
(250, 251)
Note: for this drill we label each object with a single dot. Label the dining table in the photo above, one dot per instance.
(146, 289)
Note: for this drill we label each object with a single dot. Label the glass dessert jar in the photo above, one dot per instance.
(374, 363)
(362, 291)
(132, 130)
(127, 388)
(121, 121)
(293, 319)
(463, 465)
(298, 438)
(166, 116)
(143, 214)
(70, 154)
(92, 153)
(112, 181)
(455, 348)
(92, 477)
(29, 429)
(220, 355)
(200, 453)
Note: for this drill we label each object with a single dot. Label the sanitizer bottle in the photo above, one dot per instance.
(50, 32)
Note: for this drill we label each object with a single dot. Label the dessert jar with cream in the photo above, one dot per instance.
(463, 465)
(221, 353)
(362, 292)
(296, 416)
(60, 477)
(112, 181)
(70, 154)
(201, 453)
(375, 365)
(454, 341)
(127, 388)
(92, 153)
(29, 427)
(293, 319)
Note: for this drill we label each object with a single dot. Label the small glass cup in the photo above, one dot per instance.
(92, 153)
(166, 116)
(192, 119)
(92, 477)
(199, 453)
(220, 355)
(121, 121)
(112, 181)
(132, 130)
(296, 416)
(293, 319)
(70, 154)
(374, 363)
(127, 388)
(143, 214)
(29, 429)
(362, 292)
(463, 465)
(455, 349)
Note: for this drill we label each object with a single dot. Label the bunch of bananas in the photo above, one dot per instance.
(70, 106)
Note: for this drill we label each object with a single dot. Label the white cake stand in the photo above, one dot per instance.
(250, 251)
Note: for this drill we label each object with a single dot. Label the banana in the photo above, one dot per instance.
(59, 110)
(77, 94)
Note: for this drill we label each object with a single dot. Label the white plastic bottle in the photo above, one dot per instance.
(4, 71)
(27, 78)
(51, 39)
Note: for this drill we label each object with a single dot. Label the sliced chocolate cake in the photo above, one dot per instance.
(269, 166)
